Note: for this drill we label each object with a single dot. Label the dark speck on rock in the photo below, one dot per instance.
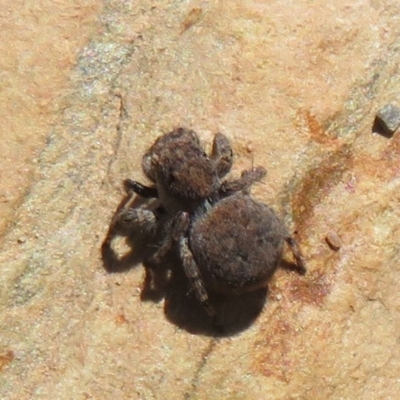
(333, 240)
(387, 120)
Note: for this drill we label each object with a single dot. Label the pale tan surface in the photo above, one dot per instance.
(39, 43)
(295, 87)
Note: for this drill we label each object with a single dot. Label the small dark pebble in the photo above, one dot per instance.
(388, 120)
(333, 240)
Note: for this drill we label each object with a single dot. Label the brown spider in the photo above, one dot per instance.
(227, 241)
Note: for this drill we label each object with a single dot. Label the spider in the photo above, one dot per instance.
(227, 242)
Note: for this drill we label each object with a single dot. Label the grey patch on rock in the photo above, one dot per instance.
(387, 120)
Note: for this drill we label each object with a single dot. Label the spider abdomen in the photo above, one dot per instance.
(237, 244)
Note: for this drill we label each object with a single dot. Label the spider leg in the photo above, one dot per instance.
(173, 230)
(135, 219)
(142, 190)
(243, 184)
(193, 274)
(127, 220)
(294, 247)
(221, 154)
(166, 244)
(190, 267)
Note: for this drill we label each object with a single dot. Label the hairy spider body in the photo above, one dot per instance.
(227, 241)
(237, 244)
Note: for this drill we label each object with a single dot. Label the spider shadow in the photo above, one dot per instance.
(234, 313)
(168, 281)
(291, 266)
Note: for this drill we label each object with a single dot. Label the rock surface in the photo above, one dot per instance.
(388, 118)
(295, 88)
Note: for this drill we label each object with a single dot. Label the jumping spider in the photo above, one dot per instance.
(227, 242)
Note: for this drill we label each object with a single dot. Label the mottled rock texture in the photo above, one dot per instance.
(87, 87)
